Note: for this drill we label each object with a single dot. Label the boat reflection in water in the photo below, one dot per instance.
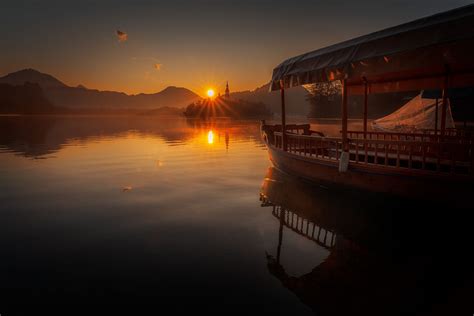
(386, 256)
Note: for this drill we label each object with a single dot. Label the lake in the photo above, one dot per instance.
(189, 215)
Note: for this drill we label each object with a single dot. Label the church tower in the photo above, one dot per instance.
(227, 92)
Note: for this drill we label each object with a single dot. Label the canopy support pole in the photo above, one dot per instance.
(344, 115)
(365, 108)
(283, 117)
(436, 117)
(344, 157)
(444, 106)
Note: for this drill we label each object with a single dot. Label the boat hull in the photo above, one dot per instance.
(443, 188)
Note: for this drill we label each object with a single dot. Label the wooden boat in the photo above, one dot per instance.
(431, 53)
(376, 253)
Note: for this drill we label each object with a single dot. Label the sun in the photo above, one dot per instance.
(210, 93)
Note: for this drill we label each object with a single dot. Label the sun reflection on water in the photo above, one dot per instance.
(210, 137)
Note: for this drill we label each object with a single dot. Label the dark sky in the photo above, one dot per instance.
(195, 43)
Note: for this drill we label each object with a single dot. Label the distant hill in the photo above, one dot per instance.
(176, 97)
(80, 98)
(84, 100)
(295, 99)
(21, 77)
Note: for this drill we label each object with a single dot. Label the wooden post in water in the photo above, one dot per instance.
(283, 116)
(365, 107)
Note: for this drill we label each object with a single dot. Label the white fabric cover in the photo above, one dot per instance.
(416, 115)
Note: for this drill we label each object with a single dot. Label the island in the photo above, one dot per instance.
(226, 106)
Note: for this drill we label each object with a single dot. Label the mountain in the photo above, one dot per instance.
(82, 98)
(170, 97)
(21, 77)
(27, 98)
(296, 103)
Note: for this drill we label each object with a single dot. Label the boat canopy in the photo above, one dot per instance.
(428, 53)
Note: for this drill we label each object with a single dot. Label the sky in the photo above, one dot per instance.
(144, 46)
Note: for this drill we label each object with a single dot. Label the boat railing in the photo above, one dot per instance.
(302, 226)
(302, 129)
(311, 145)
(420, 136)
(398, 152)
(446, 157)
(452, 131)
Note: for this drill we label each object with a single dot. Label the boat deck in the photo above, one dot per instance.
(450, 154)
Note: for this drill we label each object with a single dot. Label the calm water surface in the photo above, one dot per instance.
(132, 210)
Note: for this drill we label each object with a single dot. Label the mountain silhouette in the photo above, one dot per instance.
(82, 98)
(170, 97)
(21, 77)
(27, 98)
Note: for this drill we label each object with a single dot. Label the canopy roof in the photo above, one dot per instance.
(420, 52)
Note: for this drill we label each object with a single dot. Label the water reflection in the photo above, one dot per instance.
(386, 256)
(136, 210)
(42, 136)
(146, 211)
(210, 137)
